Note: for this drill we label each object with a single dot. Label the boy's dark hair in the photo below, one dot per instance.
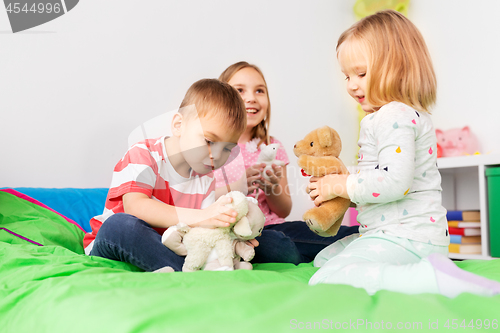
(214, 98)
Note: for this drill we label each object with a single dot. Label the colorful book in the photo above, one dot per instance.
(461, 224)
(465, 248)
(463, 215)
(465, 231)
(459, 239)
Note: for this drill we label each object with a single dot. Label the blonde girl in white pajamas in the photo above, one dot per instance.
(404, 234)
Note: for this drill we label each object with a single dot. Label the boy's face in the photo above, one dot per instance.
(197, 134)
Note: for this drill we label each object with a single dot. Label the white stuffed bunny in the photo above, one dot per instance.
(241, 249)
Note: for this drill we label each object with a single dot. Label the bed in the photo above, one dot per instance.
(47, 284)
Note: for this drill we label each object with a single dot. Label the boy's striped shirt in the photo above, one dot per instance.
(145, 168)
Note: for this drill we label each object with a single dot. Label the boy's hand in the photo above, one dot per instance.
(328, 187)
(217, 214)
(253, 242)
(254, 176)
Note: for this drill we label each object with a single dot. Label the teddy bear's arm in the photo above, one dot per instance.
(320, 166)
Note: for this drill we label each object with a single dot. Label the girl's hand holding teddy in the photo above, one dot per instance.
(328, 187)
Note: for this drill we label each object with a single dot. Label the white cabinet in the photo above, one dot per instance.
(464, 188)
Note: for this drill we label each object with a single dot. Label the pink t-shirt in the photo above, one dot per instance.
(236, 167)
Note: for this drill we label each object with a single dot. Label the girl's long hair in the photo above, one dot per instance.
(260, 131)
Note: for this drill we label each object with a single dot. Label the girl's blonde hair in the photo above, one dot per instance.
(260, 131)
(399, 67)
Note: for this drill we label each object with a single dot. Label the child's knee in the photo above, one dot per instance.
(333, 250)
(119, 226)
(348, 239)
(333, 274)
(327, 253)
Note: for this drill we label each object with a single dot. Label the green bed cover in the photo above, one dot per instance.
(56, 288)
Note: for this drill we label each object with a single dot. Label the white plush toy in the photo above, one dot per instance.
(268, 156)
(219, 248)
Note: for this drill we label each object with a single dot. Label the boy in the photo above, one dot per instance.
(161, 182)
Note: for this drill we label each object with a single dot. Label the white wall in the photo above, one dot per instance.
(74, 88)
(464, 40)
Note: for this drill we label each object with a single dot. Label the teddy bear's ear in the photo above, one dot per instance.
(325, 136)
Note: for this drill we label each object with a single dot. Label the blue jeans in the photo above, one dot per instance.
(293, 242)
(126, 238)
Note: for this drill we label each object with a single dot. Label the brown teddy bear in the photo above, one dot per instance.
(318, 155)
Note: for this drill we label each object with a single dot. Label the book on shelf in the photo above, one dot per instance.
(463, 215)
(461, 224)
(465, 248)
(465, 231)
(459, 239)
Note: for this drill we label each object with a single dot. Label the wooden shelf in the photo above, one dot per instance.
(467, 161)
(461, 256)
(464, 188)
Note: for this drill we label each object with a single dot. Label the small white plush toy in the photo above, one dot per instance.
(240, 234)
(219, 248)
(268, 156)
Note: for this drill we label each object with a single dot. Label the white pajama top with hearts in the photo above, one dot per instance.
(398, 187)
